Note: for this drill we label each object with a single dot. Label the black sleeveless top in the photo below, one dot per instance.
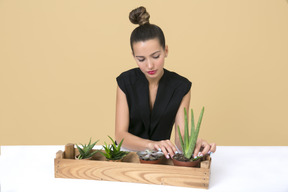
(156, 124)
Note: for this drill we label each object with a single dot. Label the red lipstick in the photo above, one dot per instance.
(152, 72)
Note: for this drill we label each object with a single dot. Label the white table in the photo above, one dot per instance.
(31, 168)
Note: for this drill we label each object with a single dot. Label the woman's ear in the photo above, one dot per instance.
(166, 50)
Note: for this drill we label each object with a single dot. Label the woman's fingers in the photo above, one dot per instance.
(197, 148)
(167, 147)
(162, 149)
(212, 147)
(206, 148)
(203, 147)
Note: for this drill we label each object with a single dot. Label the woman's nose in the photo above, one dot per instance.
(150, 64)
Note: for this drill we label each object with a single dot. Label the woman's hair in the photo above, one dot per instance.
(145, 30)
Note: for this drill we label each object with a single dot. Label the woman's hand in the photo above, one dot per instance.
(166, 146)
(203, 147)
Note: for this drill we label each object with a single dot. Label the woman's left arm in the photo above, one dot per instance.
(202, 146)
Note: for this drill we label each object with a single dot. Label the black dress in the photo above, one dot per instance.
(157, 124)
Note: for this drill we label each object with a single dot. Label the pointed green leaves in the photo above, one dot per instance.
(86, 150)
(112, 151)
(186, 131)
(189, 143)
(180, 137)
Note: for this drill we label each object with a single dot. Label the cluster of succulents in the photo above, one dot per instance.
(87, 150)
(149, 155)
(112, 151)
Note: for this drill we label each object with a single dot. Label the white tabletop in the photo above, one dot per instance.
(31, 168)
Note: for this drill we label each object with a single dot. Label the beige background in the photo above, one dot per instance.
(59, 61)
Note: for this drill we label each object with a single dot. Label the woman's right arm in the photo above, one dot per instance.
(131, 141)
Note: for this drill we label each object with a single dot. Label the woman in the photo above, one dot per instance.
(151, 99)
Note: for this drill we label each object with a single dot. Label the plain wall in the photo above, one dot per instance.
(59, 61)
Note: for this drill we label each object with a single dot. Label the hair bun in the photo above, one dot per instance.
(139, 16)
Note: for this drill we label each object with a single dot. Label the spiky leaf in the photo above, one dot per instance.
(186, 131)
(86, 150)
(112, 151)
(193, 139)
(181, 140)
(188, 145)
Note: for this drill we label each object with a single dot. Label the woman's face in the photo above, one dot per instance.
(150, 57)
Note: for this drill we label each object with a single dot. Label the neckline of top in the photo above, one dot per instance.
(142, 75)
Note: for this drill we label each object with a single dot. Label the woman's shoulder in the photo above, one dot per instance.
(176, 78)
(178, 82)
(129, 77)
(131, 73)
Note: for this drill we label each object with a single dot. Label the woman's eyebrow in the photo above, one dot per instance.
(150, 54)
(155, 52)
(139, 56)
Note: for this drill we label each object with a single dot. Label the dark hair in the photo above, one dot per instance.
(145, 30)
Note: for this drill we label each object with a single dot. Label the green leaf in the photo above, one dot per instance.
(200, 118)
(120, 144)
(181, 140)
(113, 152)
(193, 140)
(86, 150)
(187, 142)
(190, 149)
(186, 131)
(192, 125)
(113, 142)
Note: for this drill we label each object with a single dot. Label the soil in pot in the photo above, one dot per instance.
(180, 160)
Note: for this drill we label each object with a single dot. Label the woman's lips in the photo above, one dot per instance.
(152, 72)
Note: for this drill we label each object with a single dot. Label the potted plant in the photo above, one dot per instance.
(86, 151)
(188, 142)
(150, 156)
(113, 152)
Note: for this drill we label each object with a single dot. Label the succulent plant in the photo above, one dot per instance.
(86, 150)
(188, 143)
(149, 155)
(112, 151)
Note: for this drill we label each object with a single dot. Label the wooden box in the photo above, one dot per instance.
(130, 170)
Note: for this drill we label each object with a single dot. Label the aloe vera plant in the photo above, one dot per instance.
(188, 142)
(86, 150)
(112, 151)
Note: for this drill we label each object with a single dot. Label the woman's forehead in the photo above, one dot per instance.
(147, 47)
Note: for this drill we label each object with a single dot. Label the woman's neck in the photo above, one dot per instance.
(155, 81)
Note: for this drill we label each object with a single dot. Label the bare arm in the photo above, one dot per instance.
(131, 141)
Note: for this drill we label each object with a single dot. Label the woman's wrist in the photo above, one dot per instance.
(150, 145)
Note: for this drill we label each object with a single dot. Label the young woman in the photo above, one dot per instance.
(151, 99)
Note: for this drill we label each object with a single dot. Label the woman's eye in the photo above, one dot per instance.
(141, 60)
(156, 57)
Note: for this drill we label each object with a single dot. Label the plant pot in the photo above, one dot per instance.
(150, 157)
(190, 163)
(157, 161)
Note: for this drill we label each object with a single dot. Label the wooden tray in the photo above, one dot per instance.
(130, 170)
